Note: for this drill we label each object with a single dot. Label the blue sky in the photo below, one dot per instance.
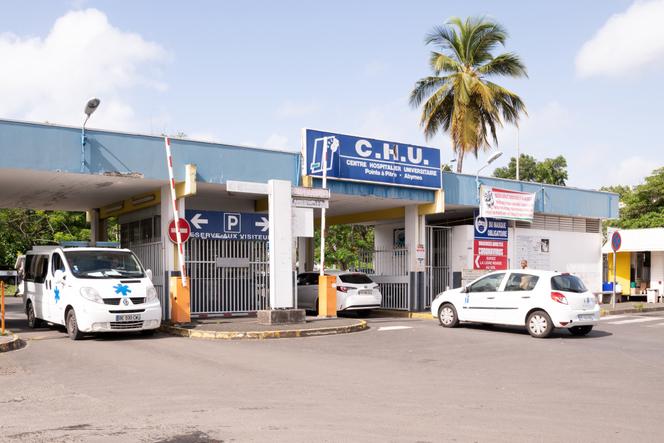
(257, 72)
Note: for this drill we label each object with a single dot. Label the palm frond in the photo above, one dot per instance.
(425, 87)
(508, 64)
(443, 63)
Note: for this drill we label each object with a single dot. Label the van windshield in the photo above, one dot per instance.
(103, 264)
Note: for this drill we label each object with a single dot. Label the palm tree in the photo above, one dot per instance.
(458, 98)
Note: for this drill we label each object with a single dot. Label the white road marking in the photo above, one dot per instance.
(635, 320)
(394, 328)
(613, 317)
(655, 326)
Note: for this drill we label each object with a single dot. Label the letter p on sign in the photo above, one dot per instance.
(232, 222)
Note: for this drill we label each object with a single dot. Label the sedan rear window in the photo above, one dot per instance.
(567, 283)
(360, 279)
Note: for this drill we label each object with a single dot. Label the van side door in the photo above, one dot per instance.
(37, 267)
(57, 289)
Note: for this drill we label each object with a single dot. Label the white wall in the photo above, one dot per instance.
(657, 270)
(574, 252)
(383, 235)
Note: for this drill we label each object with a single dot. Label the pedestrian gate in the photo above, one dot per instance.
(227, 276)
(151, 256)
(437, 277)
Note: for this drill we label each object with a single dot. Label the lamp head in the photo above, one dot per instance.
(91, 106)
(493, 157)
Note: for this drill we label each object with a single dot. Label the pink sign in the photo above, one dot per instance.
(506, 204)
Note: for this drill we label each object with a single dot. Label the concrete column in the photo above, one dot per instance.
(93, 216)
(281, 250)
(412, 227)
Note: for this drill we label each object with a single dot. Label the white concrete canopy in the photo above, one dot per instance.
(638, 240)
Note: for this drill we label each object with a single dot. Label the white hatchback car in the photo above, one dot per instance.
(539, 300)
(355, 292)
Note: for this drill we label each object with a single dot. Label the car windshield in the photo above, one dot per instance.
(358, 279)
(103, 264)
(567, 283)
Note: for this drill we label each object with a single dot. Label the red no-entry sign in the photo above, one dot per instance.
(185, 230)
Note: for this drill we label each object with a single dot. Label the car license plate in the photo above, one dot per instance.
(128, 317)
(366, 292)
(586, 317)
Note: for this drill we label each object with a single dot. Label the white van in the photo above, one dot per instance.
(89, 290)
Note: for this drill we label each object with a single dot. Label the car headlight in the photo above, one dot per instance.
(151, 294)
(91, 294)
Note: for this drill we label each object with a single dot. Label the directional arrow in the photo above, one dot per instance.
(197, 221)
(264, 224)
(477, 262)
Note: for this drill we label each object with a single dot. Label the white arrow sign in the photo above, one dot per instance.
(197, 221)
(477, 262)
(264, 224)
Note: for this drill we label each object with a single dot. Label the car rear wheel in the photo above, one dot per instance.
(364, 313)
(72, 326)
(579, 331)
(539, 324)
(33, 321)
(447, 316)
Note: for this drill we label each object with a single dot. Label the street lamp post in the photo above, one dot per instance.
(334, 145)
(90, 107)
(490, 160)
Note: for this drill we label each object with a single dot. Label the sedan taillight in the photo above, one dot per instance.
(558, 297)
(343, 288)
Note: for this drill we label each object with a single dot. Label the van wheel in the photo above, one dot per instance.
(539, 324)
(72, 326)
(33, 321)
(148, 332)
(579, 331)
(447, 316)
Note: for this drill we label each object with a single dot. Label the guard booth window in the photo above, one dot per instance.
(147, 230)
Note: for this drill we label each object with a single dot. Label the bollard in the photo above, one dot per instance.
(180, 301)
(327, 296)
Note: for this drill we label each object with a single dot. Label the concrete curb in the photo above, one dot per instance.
(403, 314)
(14, 344)
(361, 325)
(605, 312)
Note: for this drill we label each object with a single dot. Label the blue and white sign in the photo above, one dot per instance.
(487, 228)
(369, 160)
(228, 225)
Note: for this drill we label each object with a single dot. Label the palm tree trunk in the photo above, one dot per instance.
(459, 161)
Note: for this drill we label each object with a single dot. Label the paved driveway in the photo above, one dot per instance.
(403, 380)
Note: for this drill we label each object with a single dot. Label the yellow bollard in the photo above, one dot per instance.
(180, 301)
(327, 296)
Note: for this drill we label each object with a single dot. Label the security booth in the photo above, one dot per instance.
(639, 262)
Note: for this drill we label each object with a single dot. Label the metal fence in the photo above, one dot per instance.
(151, 256)
(388, 268)
(228, 276)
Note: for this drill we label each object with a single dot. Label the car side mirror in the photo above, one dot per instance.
(148, 274)
(59, 276)
(464, 289)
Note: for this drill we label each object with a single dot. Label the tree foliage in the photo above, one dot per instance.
(552, 171)
(20, 229)
(459, 98)
(344, 244)
(641, 206)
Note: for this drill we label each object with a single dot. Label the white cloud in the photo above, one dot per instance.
(83, 55)
(633, 170)
(627, 42)
(290, 109)
(277, 141)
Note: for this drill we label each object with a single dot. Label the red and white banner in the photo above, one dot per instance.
(506, 204)
(489, 255)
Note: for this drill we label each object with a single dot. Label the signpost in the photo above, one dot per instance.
(228, 225)
(184, 228)
(616, 242)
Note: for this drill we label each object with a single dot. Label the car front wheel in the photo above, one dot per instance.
(447, 316)
(72, 326)
(579, 331)
(539, 324)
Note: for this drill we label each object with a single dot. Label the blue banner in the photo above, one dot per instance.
(487, 228)
(364, 159)
(227, 225)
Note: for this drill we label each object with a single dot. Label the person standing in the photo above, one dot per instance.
(524, 263)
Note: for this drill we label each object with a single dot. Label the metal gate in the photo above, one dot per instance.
(437, 277)
(151, 256)
(388, 268)
(228, 276)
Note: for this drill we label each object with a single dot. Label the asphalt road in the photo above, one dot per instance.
(402, 380)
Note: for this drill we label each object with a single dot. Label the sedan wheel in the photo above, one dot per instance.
(447, 316)
(539, 324)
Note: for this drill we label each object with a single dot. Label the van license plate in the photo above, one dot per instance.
(128, 317)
